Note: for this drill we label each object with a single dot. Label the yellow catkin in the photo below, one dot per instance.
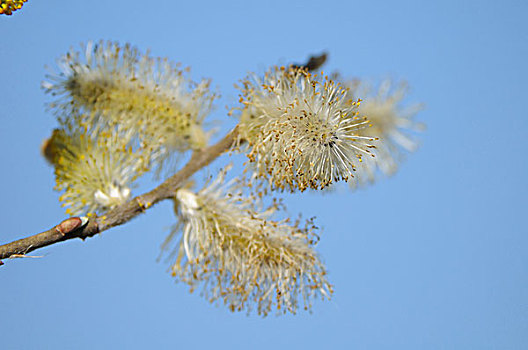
(109, 84)
(94, 170)
(300, 131)
(240, 255)
(390, 121)
(7, 7)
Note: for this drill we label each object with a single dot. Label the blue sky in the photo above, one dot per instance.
(435, 257)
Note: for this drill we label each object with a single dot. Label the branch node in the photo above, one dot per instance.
(143, 205)
(71, 224)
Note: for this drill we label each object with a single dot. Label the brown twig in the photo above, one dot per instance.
(76, 227)
(314, 62)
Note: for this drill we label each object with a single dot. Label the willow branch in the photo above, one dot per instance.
(76, 227)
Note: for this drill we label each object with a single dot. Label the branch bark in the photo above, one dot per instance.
(76, 227)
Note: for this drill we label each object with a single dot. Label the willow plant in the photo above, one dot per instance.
(123, 114)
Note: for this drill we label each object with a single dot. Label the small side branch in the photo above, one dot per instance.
(314, 62)
(76, 227)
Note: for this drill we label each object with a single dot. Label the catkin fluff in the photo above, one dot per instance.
(112, 84)
(392, 122)
(95, 171)
(301, 130)
(240, 256)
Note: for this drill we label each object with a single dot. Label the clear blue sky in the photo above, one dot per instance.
(435, 257)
